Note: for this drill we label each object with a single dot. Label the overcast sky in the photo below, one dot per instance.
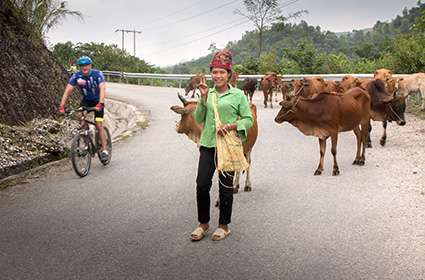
(175, 31)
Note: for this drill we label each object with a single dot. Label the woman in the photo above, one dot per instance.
(234, 112)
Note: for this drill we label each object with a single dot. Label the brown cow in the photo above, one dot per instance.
(383, 74)
(270, 82)
(385, 107)
(296, 87)
(192, 129)
(378, 91)
(348, 82)
(193, 84)
(234, 79)
(386, 76)
(284, 89)
(249, 86)
(331, 86)
(310, 87)
(327, 115)
(388, 92)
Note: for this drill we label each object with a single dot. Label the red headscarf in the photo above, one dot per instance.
(222, 59)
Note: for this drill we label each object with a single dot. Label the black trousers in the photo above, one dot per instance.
(206, 169)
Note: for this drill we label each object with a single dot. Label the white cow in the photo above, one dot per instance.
(412, 83)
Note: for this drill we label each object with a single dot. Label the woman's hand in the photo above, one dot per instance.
(225, 128)
(203, 88)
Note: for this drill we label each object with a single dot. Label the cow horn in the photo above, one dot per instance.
(182, 99)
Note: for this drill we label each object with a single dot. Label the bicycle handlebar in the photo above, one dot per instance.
(80, 109)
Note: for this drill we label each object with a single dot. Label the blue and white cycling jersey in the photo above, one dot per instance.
(89, 84)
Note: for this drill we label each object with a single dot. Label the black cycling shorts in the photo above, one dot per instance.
(98, 115)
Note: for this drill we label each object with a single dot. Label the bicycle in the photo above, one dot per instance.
(83, 146)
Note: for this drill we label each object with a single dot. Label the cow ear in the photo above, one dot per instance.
(320, 79)
(344, 78)
(374, 73)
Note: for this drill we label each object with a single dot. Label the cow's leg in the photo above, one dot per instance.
(364, 130)
(358, 134)
(422, 90)
(251, 94)
(271, 98)
(368, 140)
(384, 136)
(248, 187)
(334, 140)
(265, 98)
(275, 97)
(322, 144)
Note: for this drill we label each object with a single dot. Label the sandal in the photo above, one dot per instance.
(220, 234)
(198, 234)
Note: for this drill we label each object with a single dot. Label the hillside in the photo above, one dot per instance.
(32, 81)
(283, 39)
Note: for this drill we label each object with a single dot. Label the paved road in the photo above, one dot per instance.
(132, 219)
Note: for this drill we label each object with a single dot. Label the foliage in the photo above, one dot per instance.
(301, 48)
(261, 13)
(105, 57)
(43, 15)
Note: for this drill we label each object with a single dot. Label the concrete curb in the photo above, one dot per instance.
(123, 120)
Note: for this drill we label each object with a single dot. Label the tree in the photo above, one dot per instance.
(65, 53)
(409, 53)
(267, 62)
(261, 13)
(105, 57)
(42, 15)
(419, 25)
(213, 48)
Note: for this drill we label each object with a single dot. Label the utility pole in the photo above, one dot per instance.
(134, 31)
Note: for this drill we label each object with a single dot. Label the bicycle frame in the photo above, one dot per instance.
(85, 129)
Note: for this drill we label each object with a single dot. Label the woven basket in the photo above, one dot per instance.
(229, 149)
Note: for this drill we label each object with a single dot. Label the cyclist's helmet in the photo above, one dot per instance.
(84, 60)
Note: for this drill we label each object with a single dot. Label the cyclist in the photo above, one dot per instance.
(92, 87)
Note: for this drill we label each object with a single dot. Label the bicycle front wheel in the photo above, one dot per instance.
(80, 155)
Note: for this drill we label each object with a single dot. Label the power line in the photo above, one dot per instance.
(195, 33)
(197, 39)
(219, 25)
(288, 3)
(195, 16)
(174, 13)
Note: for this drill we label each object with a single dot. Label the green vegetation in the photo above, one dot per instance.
(105, 57)
(42, 15)
(300, 48)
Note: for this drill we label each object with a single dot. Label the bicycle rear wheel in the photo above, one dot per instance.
(108, 146)
(80, 155)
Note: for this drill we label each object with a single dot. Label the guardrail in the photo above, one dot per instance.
(186, 77)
